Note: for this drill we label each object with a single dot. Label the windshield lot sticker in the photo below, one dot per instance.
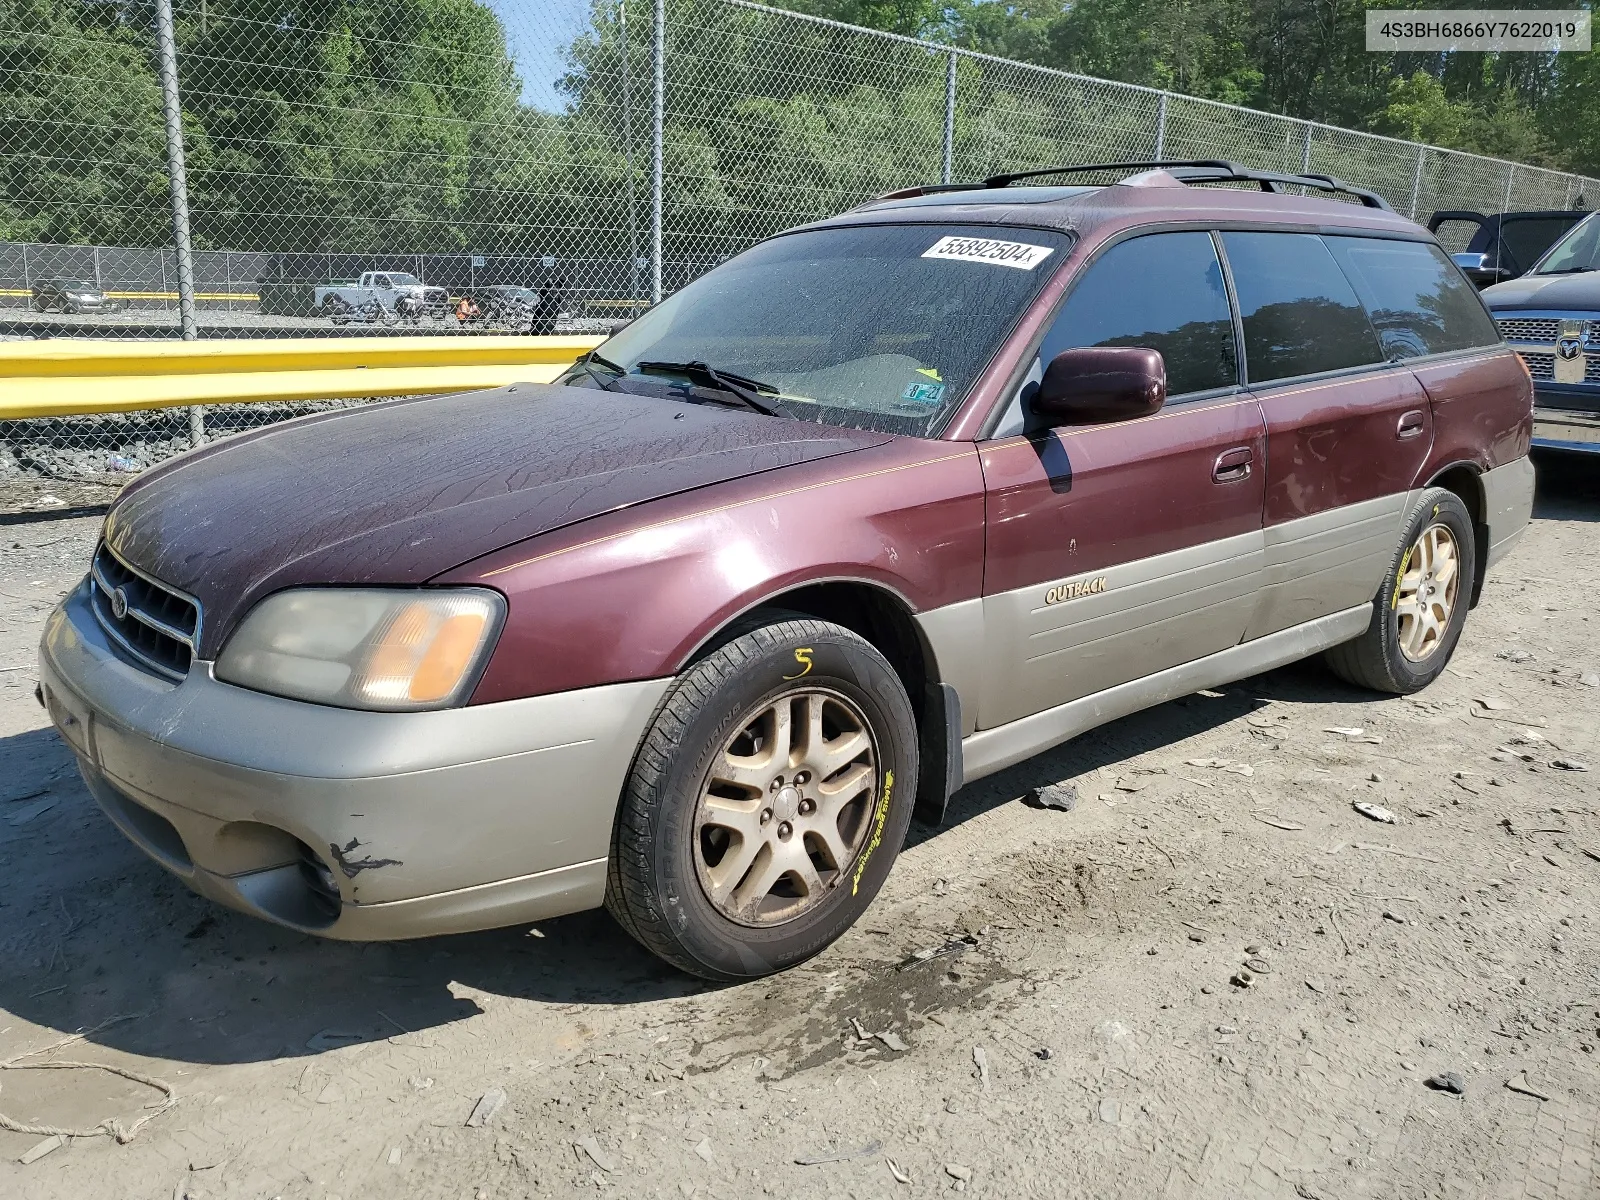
(923, 393)
(987, 250)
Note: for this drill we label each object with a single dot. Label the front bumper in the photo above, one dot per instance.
(353, 825)
(1566, 417)
(1566, 429)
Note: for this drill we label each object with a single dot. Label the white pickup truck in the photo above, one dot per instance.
(348, 302)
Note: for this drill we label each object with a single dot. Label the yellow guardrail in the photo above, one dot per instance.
(60, 377)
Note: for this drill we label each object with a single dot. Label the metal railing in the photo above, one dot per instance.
(217, 164)
(61, 378)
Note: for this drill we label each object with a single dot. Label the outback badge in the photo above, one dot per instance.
(1078, 587)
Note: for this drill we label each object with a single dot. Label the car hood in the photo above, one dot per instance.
(398, 493)
(1545, 291)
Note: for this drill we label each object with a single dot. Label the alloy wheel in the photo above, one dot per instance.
(785, 807)
(1425, 596)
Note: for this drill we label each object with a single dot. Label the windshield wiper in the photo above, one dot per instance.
(592, 359)
(739, 386)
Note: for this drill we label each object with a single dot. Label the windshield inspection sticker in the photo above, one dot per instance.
(923, 392)
(986, 250)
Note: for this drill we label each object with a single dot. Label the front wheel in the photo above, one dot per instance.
(1421, 607)
(767, 802)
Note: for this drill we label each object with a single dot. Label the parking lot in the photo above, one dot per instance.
(1212, 977)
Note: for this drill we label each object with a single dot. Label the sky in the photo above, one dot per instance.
(538, 33)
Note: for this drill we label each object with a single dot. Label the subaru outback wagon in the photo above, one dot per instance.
(880, 506)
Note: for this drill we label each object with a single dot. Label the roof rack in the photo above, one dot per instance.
(1201, 170)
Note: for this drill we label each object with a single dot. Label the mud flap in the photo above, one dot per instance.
(941, 746)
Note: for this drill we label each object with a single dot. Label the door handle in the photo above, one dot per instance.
(1410, 425)
(1233, 465)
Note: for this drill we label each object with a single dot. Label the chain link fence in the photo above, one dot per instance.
(474, 167)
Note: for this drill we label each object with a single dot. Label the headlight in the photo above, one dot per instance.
(364, 648)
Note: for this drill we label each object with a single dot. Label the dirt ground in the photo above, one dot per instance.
(1077, 1033)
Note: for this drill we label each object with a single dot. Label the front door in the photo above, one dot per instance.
(1116, 551)
(1348, 425)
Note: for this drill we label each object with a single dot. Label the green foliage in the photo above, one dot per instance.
(82, 147)
(361, 125)
(398, 125)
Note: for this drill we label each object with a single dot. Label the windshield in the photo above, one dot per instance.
(1578, 251)
(883, 327)
(401, 279)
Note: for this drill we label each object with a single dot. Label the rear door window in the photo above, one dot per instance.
(1301, 316)
(1417, 300)
(1164, 291)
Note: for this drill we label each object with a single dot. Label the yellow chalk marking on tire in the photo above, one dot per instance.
(1399, 575)
(881, 816)
(802, 656)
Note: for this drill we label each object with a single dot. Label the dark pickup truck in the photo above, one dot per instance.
(1551, 317)
(1504, 245)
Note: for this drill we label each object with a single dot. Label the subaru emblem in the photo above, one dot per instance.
(119, 603)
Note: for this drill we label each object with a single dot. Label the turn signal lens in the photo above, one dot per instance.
(364, 648)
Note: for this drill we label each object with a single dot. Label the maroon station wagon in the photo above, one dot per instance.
(880, 506)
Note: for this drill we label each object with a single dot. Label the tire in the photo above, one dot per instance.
(667, 849)
(1400, 653)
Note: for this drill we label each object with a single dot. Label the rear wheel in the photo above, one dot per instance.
(767, 803)
(1421, 608)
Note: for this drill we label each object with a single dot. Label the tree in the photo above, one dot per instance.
(82, 147)
(347, 124)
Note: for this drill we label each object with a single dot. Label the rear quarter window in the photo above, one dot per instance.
(1301, 316)
(1417, 300)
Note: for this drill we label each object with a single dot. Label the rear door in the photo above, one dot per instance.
(1348, 428)
(1115, 551)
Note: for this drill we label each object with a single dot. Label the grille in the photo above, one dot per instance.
(1529, 329)
(158, 626)
(1543, 366)
(1540, 366)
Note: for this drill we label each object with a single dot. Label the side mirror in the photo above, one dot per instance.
(1093, 384)
(1480, 268)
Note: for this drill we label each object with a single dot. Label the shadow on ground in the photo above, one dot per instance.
(94, 930)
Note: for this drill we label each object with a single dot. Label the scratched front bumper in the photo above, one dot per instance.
(352, 825)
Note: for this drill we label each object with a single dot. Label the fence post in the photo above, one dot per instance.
(1511, 174)
(1416, 181)
(949, 117)
(167, 52)
(658, 134)
(1161, 127)
(627, 156)
(1305, 150)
